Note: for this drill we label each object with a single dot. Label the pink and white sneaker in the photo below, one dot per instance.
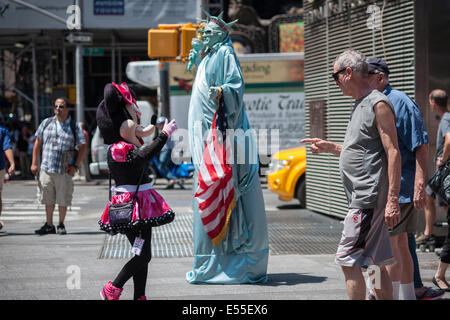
(109, 292)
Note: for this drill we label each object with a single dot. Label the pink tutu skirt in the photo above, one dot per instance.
(154, 211)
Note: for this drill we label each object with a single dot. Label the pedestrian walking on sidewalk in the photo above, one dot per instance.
(370, 166)
(118, 120)
(22, 150)
(57, 140)
(438, 103)
(5, 142)
(413, 145)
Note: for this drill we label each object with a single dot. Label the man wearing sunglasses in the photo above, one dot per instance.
(369, 162)
(58, 137)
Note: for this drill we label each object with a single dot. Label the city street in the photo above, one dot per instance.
(76, 266)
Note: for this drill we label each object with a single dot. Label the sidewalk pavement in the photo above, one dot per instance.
(66, 267)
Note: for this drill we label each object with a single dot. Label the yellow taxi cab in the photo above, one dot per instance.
(286, 174)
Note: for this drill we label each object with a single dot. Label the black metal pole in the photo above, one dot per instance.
(164, 89)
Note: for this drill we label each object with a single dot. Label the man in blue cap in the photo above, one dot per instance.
(413, 145)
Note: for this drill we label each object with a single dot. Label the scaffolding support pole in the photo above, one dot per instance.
(64, 68)
(79, 83)
(113, 58)
(79, 76)
(35, 86)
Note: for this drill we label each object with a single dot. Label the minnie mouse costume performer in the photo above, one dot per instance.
(118, 119)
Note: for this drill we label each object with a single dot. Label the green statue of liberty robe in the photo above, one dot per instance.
(242, 256)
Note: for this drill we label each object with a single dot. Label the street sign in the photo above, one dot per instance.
(79, 37)
(93, 51)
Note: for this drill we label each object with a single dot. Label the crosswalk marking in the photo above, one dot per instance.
(171, 240)
(19, 209)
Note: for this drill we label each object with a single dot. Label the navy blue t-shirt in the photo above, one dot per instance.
(411, 134)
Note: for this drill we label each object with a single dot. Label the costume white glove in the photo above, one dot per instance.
(169, 127)
(213, 93)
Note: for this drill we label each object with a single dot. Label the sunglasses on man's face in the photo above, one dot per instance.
(59, 106)
(335, 75)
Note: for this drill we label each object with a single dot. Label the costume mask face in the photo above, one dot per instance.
(216, 29)
(212, 34)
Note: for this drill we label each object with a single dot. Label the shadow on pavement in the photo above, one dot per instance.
(291, 279)
(3, 234)
(289, 206)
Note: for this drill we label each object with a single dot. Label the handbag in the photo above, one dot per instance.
(120, 214)
(440, 182)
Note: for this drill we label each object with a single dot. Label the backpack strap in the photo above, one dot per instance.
(46, 124)
(74, 132)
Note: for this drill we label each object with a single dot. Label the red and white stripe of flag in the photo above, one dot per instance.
(215, 188)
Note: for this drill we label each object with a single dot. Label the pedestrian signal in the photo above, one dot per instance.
(188, 32)
(171, 42)
(162, 43)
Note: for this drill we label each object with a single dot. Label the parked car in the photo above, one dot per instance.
(98, 154)
(99, 149)
(286, 174)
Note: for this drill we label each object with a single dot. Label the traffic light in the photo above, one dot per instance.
(171, 42)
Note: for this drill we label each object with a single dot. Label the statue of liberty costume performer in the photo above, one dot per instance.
(242, 255)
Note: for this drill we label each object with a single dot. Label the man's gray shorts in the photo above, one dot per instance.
(365, 240)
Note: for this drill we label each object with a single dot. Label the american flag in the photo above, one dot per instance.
(215, 189)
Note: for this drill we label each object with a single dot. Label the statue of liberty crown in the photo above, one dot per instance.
(217, 20)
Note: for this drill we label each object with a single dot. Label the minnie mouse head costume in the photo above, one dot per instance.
(118, 119)
(118, 106)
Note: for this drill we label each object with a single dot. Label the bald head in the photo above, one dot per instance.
(439, 97)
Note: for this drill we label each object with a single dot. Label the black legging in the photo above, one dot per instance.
(137, 267)
(445, 253)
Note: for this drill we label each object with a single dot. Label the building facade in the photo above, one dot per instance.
(405, 34)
